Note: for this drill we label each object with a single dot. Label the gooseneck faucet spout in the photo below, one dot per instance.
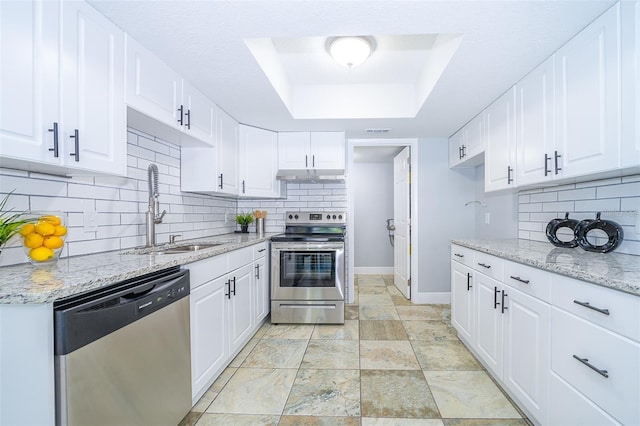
(154, 205)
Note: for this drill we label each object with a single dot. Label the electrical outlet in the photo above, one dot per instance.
(226, 217)
(90, 219)
(487, 218)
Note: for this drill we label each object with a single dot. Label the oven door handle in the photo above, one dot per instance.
(308, 247)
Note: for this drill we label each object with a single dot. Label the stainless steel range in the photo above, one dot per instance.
(307, 272)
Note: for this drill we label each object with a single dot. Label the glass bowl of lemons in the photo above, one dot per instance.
(43, 237)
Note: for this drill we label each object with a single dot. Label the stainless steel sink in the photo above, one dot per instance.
(188, 248)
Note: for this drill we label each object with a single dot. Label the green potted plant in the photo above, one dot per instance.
(10, 222)
(244, 219)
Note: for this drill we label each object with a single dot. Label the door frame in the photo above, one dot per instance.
(410, 142)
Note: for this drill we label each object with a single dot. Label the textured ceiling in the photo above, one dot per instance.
(204, 41)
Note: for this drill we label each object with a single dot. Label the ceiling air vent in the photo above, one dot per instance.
(384, 130)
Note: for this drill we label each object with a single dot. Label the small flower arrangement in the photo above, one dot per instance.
(10, 222)
(244, 220)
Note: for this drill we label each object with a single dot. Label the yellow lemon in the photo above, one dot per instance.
(60, 230)
(27, 228)
(41, 254)
(53, 242)
(45, 228)
(54, 220)
(33, 240)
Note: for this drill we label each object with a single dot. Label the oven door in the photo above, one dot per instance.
(307, 271)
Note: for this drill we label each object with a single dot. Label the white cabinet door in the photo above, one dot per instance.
(455, 147)
(489, 322)
(258, 160)
(527, 351)
(94, 113)
(500, 143)
(209, 333)
(294, 150)
(198, 114)
(240, 319)
(29, 79)
(535, 125)
(462, 300)
(261, 290)
(588, 98)
(630, 83)
(474, 138)
(327, 150)
(227, 130)
(152, 87)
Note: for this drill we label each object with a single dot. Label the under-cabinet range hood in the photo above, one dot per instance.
(311, 175)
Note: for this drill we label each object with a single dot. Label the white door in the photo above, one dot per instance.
(462, 300)
(488, 340)
(327, 150)
(258, 162)
(240, 307)
(402, 222)
(293, 150)
(227, 129)
(199, 114)
(499, 167)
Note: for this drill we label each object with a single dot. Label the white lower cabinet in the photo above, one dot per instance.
(566, 351)
(262, 300)
(224, 313)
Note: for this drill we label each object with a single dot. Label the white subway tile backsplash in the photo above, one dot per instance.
(25, 185)
(618, 199)
(543, 197)
(61, 204)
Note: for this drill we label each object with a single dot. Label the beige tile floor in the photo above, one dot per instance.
(391, 363)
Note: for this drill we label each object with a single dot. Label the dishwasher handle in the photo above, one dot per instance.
(87, 319)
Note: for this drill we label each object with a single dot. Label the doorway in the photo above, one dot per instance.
(370, 199)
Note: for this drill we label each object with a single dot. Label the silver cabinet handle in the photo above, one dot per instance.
(484, 266)
(503, 296)
(556, 161)
(587, 305)
(546, 161)
(188, 115)
(313, 161)
(221, 182)
(585, 361)
(257, 272)
(55, 139)
(228, 285)
(458, 255)
(495, 297)
(519, 279)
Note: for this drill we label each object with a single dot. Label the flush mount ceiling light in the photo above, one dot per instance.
(350, 51)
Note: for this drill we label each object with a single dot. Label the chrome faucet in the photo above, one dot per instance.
(154, 205)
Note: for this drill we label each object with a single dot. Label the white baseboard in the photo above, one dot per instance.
(374, 270)
(431, 298)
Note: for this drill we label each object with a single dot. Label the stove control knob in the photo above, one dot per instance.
(296, 216)
(340, 216)
(334, 216)
(328, 216)
(290, 216)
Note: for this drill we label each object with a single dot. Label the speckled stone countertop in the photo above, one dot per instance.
(37, 284)
(613, 270)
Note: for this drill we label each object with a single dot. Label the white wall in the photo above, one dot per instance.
(120, 202)
(502, 207)
(373, 205)
(443, 215)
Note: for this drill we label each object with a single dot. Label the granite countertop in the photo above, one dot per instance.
(37, 284)
(613, 270)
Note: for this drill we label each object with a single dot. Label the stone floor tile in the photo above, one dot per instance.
(444, 355)
(347, 331)
(325, 393)
(380, 312)
(485, 422)
(244, 353)
(351, 312)
(400, 300)
(381, 421)
(318, 421)
(332, 354)
(387, 355)
(190, 419)
(371, 280)
(423, 312)
(468, 394)
(375, 299)
(289, 331)
(208, 419)
(382, 330)
(402, 394)
(222, 379)
(373, 290)
(204, 401)
(263, 329)
(255, 391)
(430, 330)
(276, 353)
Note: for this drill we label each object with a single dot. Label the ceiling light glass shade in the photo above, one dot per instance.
(350, 51)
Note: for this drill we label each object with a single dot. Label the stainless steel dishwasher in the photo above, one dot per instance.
(122, 353)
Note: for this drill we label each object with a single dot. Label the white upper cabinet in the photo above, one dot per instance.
(535, 125)
(258, 162)
(587, 81)
(311, 150)
(63, 105)
(165, 104)
(467, 145)
(500, 135)
(630, 78)
(227, 139)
